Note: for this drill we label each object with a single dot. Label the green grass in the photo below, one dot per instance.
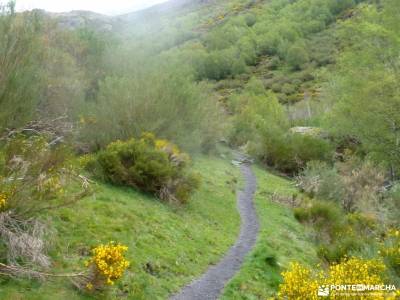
(282, 240)
(168, 246)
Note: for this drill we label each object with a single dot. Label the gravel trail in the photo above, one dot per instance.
(210, 285)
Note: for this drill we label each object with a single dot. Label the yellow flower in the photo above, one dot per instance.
(109, 261)
(3, 201)
(300, 282)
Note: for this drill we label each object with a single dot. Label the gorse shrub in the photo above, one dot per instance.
(300, 282)
(148, 164)
(34, 177)
(106, 265)
(356, 271)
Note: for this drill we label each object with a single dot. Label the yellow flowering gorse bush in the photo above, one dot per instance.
(356, 271)
(108, 264)
(166, 145)
(299, 282)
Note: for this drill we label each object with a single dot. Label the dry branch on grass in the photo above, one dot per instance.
(56, 129)
(18, 271)
(35, 178)
(290, 201)
(24, 241)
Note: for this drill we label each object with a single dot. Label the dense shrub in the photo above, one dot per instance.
(37, 176)
(354, 184)
(297, 56)
(221, 64)
(363, 89)
(288, 89)
(319, 213)
(291, 152)
(46, 71)
(261, 124)
(321, 180)
(148, 164)
(107, 265)
(258, 114)
(300, 282)
(393, 197)
(160, 99)
(340, 248)
(389, 250)
(325, 218)
(336, 234)
(34, 177)
(250, 19)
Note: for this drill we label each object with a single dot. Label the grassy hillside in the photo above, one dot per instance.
(140, 94)
(167, 246)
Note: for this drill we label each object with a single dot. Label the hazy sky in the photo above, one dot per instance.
(110, 7)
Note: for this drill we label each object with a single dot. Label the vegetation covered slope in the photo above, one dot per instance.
(250, 73)
(168, 246)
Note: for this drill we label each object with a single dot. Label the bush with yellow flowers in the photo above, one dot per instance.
(3, 201)
(300, 282)
(356, 271)
(390, 250)
(106, 265)
(149, 164)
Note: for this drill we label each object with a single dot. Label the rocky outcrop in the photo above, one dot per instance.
(76, 19)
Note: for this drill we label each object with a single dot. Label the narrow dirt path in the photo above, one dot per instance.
(210, 285)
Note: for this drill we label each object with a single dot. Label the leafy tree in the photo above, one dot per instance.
(297, 56)
(20, 77)
(365, 91)
(159, 99)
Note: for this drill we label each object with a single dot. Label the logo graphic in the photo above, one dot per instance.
(360, 287)
(323, 290)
